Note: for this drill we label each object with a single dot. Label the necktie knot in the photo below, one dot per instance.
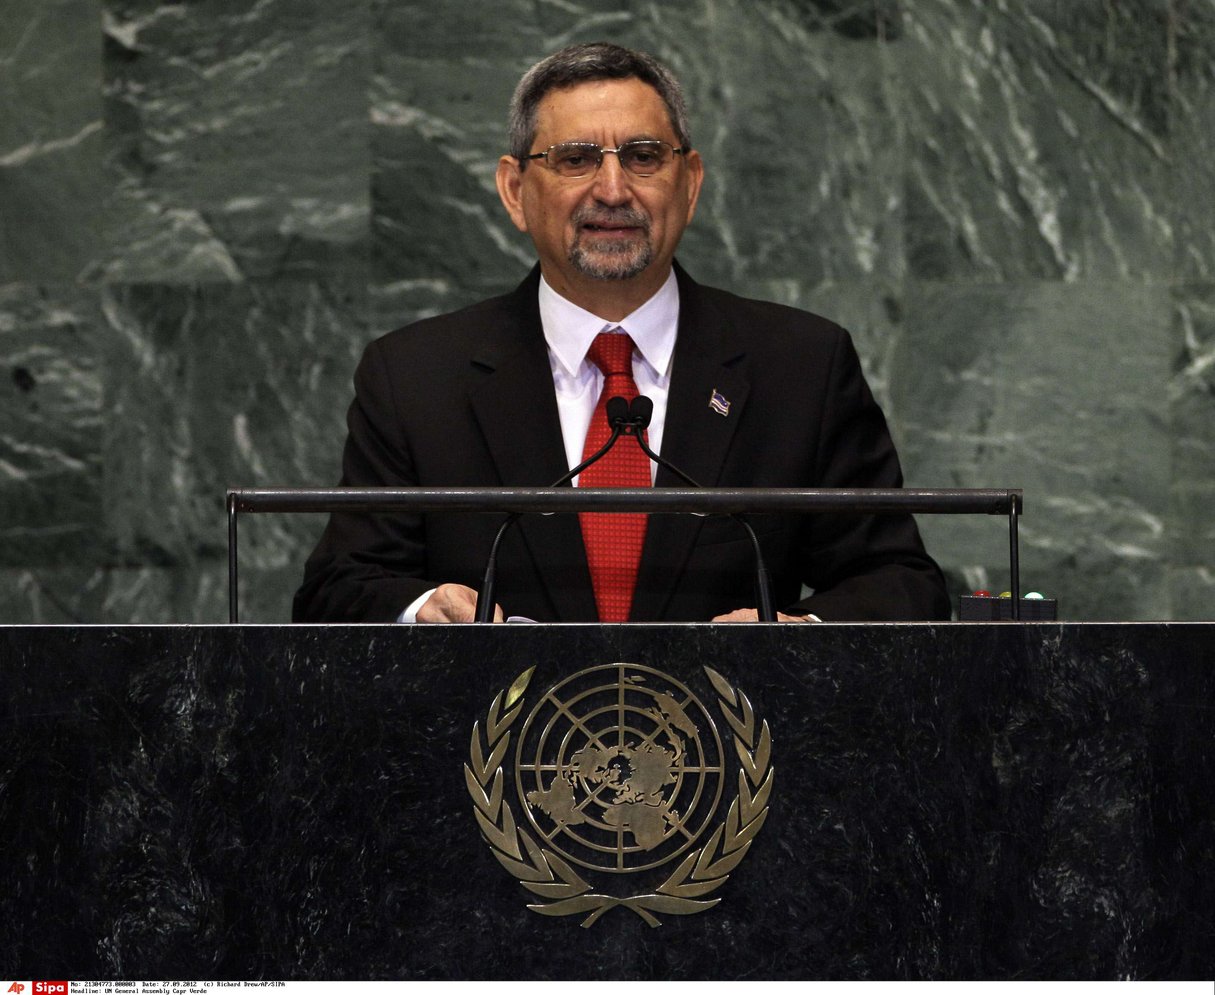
(612, 352)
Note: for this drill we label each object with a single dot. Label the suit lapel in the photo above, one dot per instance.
(516, 410)
(709, 360)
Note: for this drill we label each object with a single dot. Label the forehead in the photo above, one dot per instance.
(608, 110)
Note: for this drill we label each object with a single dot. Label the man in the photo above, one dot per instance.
(511, 392)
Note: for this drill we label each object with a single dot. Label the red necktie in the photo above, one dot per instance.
(613, 541)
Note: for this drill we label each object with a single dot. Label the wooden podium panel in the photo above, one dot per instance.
(947, 801)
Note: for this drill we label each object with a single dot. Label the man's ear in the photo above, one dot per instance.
(696, 178)
(510, 188)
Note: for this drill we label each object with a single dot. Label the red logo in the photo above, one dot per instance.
(17, 987)
(50, 988)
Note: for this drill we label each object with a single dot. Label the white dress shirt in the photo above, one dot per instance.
(569, 331)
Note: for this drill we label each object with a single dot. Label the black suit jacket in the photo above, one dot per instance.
(466, 399)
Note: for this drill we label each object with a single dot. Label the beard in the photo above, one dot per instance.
(616, 259)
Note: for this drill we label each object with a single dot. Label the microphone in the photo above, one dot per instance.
(617, 411)
(641, 410)
(628, 418)
(619, 417)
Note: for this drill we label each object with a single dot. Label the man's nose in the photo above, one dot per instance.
(612, 181)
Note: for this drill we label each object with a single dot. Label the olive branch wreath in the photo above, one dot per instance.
(544, 873)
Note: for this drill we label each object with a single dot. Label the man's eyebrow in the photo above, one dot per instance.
(643, 137)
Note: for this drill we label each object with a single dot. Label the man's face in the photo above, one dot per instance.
(609, 225)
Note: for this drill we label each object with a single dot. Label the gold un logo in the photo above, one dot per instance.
(619, 772)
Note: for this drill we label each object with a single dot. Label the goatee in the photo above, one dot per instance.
(613, 260)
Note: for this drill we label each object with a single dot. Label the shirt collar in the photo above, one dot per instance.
(569, 330)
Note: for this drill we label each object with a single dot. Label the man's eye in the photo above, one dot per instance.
(642, 160)
(572, 161)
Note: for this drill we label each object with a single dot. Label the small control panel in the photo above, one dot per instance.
(983, 606)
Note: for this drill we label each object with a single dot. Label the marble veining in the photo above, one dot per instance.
(209, 208)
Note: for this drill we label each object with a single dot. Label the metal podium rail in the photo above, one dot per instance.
(671, 500)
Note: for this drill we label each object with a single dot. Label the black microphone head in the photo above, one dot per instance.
(641, 411)
(617, 411)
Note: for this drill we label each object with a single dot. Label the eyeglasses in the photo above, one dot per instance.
(574, 159)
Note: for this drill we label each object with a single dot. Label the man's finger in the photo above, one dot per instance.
(739, 615)
(449, 603)
(453, 603)
(752, 615)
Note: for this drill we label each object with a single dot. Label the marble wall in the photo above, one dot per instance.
(207, 208)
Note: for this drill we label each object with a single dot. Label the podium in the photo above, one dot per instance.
(948, 801)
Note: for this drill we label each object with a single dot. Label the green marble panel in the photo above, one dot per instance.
(1005, 202)
(1192, 70)
(218, 386)
(93, 595)
(1192, 504)
(442, 82)
(798, 126)
(51, 180)
(1193, 592)
(795, 125)
(1037, 139)
(71, 595)
(1061, 390)
(435, 221)
(238, 134)
(50, 425)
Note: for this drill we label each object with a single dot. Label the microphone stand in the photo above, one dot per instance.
(640, 412)
(618, 416)
(627, 419)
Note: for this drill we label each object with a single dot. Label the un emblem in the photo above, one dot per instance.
(619, 770)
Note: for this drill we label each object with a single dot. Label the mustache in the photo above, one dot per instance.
(620, 216)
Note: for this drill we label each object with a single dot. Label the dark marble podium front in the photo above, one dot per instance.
(951, 801)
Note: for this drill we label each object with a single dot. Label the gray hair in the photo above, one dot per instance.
(586, 63)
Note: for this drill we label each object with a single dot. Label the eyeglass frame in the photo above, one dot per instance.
(675, 150)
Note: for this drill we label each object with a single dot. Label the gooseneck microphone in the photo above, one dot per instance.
(627, 418)
(619, 417)
(641, 410)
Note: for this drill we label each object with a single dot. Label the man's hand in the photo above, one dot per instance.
(752, 615)
(453, 603)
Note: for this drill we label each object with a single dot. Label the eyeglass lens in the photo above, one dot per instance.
(581, 158)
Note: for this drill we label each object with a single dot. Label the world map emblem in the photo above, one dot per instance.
(618, 773)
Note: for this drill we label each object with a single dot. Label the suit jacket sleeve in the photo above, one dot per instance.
(368, 567)
(863, 567)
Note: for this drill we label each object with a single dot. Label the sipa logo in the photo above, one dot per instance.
(50, 988)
